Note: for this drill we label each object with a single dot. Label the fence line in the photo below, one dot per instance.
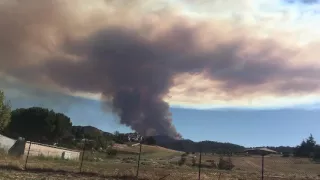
(138, 162)
(83, 151)
(262, 167)
(139, 156)
(199, 176)
(202, 157)
(25, 165)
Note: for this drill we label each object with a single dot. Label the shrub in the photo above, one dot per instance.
(193, 161)
(112, 152)
(183, 159)
(285, 154)
(212, 163)
(316, 155)
(129, 160)
(225, 164)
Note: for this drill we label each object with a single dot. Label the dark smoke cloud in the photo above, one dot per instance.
(133, 62)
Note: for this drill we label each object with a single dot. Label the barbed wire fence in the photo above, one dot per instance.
(263, 164)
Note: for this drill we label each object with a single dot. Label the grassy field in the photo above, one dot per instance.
(156, 163)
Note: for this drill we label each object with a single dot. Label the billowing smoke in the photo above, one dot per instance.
(133, 57)
(127, 70)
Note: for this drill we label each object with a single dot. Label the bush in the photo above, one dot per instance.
(285, 154)
(129, 160)
(183, 159)
(212, 163)
(193, 161)
(112, 152)
(316, 155)
(225, 164)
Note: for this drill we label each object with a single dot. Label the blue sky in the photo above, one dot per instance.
(245, 127)
(240, 126)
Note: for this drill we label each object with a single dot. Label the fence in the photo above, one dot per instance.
(152, 162)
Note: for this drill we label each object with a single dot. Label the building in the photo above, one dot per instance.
(134, 137)
(20, 147)
(6, 143)
(260, 151)
(38, 149)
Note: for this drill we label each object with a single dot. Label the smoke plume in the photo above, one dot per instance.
(135, 58)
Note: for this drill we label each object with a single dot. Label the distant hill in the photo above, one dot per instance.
(191, 146)
(185, 145)
(163, 139)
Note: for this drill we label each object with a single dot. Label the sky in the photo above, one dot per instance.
(247, 127)
(244, 71)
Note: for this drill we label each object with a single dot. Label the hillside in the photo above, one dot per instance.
(185, 145)
(191, 146)
(146, 149)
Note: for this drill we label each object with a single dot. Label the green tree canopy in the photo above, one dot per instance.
(39, 124)
(5, 112)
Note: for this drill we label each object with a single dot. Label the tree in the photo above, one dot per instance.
(306, 148)
(183, 159)
(316, 156)
(116, 133)
(150, 141)
(62, 128)
(5, 112)
(225, 164)
(39, 124)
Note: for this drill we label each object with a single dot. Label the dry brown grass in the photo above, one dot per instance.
(145, 149)
(157, 163)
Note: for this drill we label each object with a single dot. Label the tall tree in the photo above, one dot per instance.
(62, 128)
(39, 124)
(317, 153)
(306, 148)
(5, 112)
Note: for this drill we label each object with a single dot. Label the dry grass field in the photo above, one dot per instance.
(156, 163)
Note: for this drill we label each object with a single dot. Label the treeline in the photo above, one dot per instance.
(46, 126)
(308, 148)
(203, 146)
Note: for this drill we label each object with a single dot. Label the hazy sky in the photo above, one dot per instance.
(257, 56)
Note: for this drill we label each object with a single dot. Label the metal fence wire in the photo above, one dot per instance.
(138, 161)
